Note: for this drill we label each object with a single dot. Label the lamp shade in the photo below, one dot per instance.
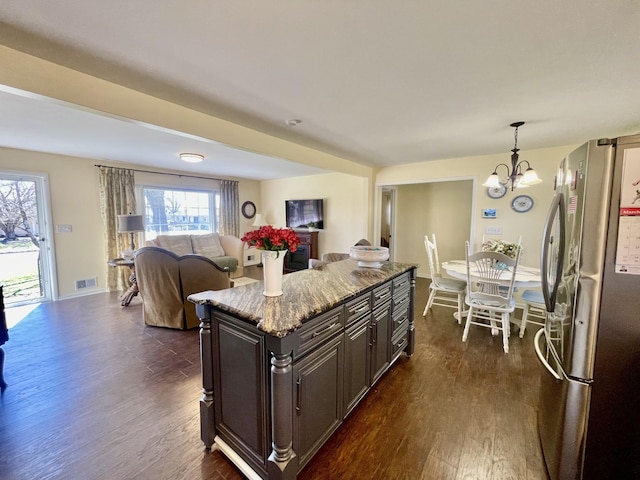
(259, 221)
(130, 223)
(493, 181)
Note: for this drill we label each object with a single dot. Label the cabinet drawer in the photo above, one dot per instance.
(403, 281)
(382, 294)
(355, 309)
(399, 342)
(318, 330)
(400, 319)
(401, 300)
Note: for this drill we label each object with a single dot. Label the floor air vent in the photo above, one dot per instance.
(86, 283)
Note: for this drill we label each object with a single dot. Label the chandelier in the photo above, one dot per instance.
(515, 178)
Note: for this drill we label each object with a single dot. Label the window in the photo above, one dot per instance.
(170, 211)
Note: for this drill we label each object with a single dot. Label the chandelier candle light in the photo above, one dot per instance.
(515, 175)
(274, 243)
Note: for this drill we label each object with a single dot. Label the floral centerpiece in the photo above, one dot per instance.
(273, 242)
(273, 239)
(510, 249)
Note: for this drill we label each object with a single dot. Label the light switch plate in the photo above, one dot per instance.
(493, 230)
(63, 228)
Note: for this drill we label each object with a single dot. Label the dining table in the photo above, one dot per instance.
(526, 277)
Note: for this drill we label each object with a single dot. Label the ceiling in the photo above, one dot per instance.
(371, 81)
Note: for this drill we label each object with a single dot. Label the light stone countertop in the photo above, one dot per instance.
(306, 293)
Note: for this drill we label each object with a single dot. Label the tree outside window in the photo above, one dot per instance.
(174, 211)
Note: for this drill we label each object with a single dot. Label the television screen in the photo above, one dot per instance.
(304, 213)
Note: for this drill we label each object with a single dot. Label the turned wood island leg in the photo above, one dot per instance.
(282, 462)
(411, 344)
(207, 413)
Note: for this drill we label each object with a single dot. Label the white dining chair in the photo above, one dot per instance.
(533, 311)
(443, 291)
(490, 285)
(534, 307)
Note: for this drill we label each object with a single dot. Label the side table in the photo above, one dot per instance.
(132, 291)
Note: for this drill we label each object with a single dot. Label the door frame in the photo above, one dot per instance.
(377, 227)
(392, 220)
(48, 274)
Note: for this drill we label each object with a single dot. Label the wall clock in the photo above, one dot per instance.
(522, 203)
(248, 209)
(497, 192)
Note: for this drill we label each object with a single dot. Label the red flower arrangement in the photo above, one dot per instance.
(269, 238)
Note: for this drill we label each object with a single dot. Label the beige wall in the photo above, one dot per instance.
(528, 225)
(346, 206)
(349, 201)
(443, 208)
(73, 184)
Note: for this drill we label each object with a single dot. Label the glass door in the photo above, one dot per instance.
(26, 270)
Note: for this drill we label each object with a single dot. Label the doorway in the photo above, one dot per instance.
(26, 269)
(386, 218)
(441, 206)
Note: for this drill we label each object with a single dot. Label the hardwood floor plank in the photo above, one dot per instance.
(95, 394)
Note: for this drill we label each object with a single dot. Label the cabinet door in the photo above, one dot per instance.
(356, 363)
(318, 393)
(380, 341)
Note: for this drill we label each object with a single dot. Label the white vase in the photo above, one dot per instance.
(272, 270)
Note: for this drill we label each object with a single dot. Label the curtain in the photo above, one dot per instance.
(117, 197)
(229, 208)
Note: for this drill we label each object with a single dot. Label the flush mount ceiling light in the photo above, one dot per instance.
(515, 178)
(192, 157)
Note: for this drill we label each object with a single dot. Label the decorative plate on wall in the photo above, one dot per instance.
(522, 203)
(248, 209)
(497, 192)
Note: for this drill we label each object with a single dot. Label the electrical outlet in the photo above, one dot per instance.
(493, 230)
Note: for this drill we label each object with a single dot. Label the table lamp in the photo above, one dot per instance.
(259, 221)
(130, 224)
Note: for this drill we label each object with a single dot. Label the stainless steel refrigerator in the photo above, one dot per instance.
(589, 348)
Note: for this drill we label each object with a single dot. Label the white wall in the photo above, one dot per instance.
(346, 206)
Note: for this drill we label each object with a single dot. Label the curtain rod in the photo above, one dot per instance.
(164, 173)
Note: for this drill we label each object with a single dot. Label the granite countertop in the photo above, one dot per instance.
(306, 293)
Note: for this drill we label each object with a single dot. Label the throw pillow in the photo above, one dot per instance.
(207, 245)
(178, 244)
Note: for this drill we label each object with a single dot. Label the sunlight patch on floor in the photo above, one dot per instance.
(16, 314)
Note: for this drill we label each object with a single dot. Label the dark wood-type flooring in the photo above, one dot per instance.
(94, 394)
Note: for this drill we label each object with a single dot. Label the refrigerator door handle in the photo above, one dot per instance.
(543, 361)
(557, 206)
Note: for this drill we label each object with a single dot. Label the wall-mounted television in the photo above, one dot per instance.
(305, 213)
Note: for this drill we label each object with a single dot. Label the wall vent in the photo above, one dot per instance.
(86, 283)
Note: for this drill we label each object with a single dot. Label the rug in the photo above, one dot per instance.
(240, 281)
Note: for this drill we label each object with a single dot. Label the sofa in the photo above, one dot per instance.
(165, 280)
(225, 250)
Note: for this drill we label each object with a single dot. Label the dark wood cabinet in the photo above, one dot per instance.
(308, 248)
(357, 371)
(275, 391)
(317, 398)
(380, 341)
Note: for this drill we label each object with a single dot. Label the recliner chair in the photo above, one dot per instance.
(165, 280)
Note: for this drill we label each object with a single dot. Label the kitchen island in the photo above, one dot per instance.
(280, 374)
